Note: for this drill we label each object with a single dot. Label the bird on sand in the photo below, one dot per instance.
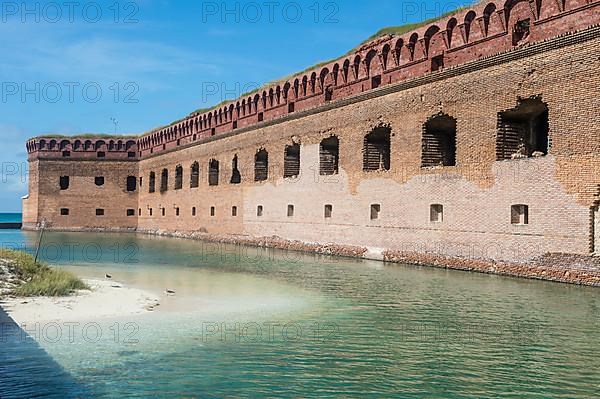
(107, 276)
(169, 292)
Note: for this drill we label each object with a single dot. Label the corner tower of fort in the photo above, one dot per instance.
(475, 137)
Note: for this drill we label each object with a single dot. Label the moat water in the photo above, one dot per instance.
(304, 326)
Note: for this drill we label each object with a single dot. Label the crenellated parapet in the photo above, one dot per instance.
(471, 34)
(82, 148)
(482, 30)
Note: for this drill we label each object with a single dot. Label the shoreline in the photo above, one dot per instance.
(105, 300)
(553, 267)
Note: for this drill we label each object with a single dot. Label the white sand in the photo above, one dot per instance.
(107, 299)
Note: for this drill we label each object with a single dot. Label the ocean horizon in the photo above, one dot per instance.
(11, 217)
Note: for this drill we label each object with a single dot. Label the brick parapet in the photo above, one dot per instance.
(477, 36)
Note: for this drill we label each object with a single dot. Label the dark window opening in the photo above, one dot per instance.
(164, 181)
(64, 182)
(436, 213)
(99, 212)
(259, 211)
(152, 183)
(291, 161)
(234, 124)
(99, 180)
(519, 214)
(66, 154)
(194, 211)
(176, 211)
(439, 141)
(261, 165)
(131, 183)
(329, 153)
(131, 154)
(523, 131)
(261, 116)
(437, 63)
(328, 211)
(328, 94)
(212, 211)
(150, 211)
(195, 175)
(376, 151)
(130, 212)
(164, 211)
(64, 212)
(178, 177)
(520, 31)
(213, 131)
(375, 211)
(291, 107)
(290, 211)
(234, 211)
(376, 81)
(236, 177)
(140, 212)
(213, 172)
(101, 154)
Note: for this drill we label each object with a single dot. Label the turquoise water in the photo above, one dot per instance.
(255, 323)
(11, 217)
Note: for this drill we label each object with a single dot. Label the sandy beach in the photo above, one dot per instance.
(107, 299)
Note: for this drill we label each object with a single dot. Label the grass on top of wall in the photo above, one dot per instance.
(28, 278)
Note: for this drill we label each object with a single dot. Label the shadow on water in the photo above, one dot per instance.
(26, 370)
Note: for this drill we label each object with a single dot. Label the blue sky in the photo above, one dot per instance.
(71, 68)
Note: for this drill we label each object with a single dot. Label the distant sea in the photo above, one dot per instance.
(11, 217)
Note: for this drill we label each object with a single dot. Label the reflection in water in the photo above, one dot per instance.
(259, 323)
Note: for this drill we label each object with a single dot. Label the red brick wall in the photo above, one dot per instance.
(560, 189)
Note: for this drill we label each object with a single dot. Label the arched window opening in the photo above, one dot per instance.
(236, 177)
(356, 67)
(131, 183)
(178, 177)
(304, 85)
(520, 31)
(489, 10)
(64, 182)
(450, 28)
(152, 183)
(371, 55)
(429, 35)
(291, 162)
(469, 18)
(385, 52)
(439, 141)
(329, 153)
(376, 150)
(261, 165)
(213, 172)
(336, 74)
(398, 51)
(164, 181)
(195, 175)
(523, 131)
(345, 70)
(412, 43)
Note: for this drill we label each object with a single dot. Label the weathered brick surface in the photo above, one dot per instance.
(561, 189)
(83, 196)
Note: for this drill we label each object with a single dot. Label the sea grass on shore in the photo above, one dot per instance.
(21, 276)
